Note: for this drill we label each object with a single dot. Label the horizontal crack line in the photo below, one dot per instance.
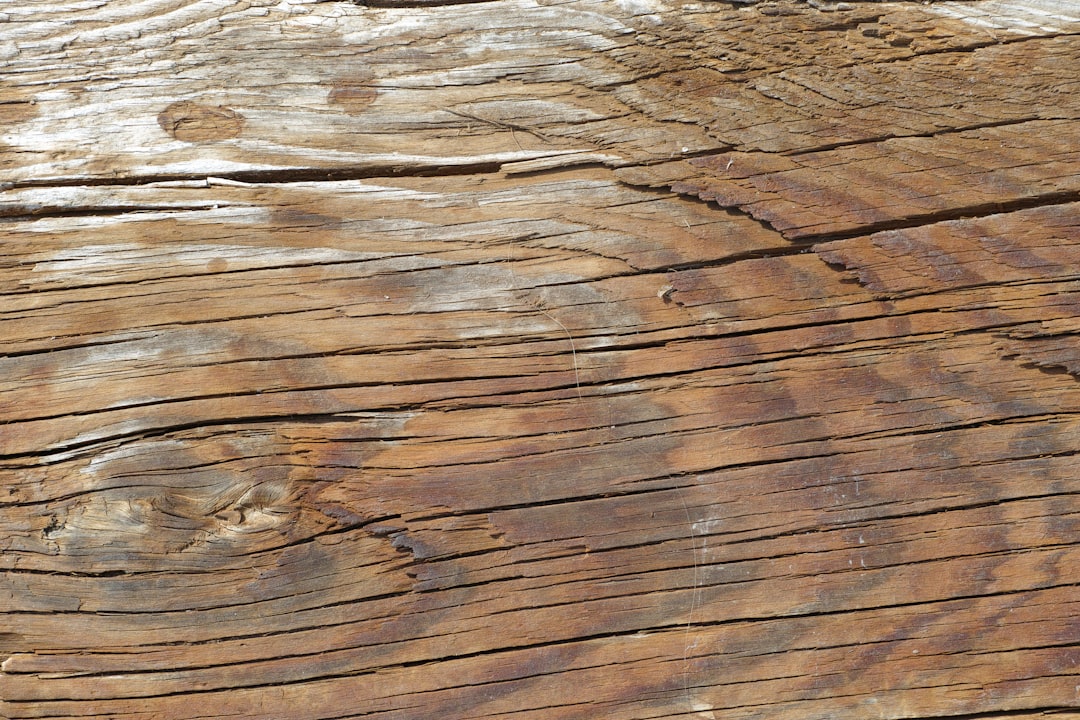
(563, 642)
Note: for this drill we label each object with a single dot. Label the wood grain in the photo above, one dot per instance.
(627, 360)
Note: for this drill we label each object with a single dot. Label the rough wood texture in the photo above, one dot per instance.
(533, 360)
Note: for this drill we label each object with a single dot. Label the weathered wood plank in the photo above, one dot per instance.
(506, 420)
(140, 89)
(222, 501)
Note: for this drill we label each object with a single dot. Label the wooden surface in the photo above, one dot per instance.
(539, 360)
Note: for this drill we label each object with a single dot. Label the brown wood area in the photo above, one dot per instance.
(539, 359)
